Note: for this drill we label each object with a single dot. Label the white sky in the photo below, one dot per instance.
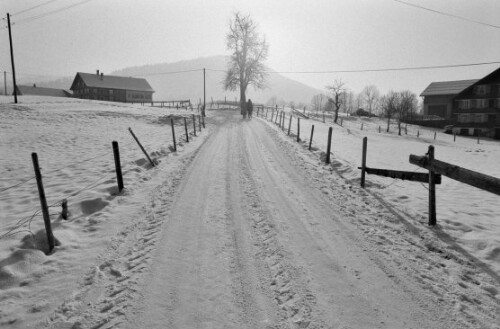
(303, 35)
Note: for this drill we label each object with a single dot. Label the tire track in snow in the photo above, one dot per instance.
(204, 274)
(110, 288)
(443, 281)
(330, 278)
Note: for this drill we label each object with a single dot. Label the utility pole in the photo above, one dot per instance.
(204, 93)
(12, 60)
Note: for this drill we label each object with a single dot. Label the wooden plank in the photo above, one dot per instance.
(476, 179)
(432, 189)
(363, 161)
(404, 175)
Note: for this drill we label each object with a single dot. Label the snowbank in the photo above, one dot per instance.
(72, 138)
(469, 215)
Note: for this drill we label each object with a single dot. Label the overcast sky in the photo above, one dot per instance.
(303, 35)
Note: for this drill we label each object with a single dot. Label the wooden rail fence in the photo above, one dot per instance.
(52, 242)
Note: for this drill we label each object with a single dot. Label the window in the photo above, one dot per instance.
(481, 89)
(94, 91)
(480, 103)
(464, 104)
(479, 117)
(111, 92)
(464, 117)
(497, 103)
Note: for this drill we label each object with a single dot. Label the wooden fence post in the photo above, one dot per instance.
(454, 136)
(432, 190)
(142, 148)
(43, 202)
(361, 125)
(118, 166)
(289, 124)
(194, 125)
(329, 145)
(272, 114)
(64, 211)
(186, 128)
(341, 122)
(379, 129)
(173, 133)
(203, 121)
(323, 116)
(418, 133)
(298, 129)
(434, 135)
(199, 122)
(311, 139)
(363, 161)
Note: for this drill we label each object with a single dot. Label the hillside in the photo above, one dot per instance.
(189, 85)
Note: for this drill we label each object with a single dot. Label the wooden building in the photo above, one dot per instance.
(23, 90)
(111, 88)
(472, 105)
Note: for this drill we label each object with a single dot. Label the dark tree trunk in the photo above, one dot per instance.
(243, 101)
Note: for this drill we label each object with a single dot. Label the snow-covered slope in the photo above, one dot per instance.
(114, 246)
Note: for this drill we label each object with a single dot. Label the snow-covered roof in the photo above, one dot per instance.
(113, 82)
(42, 91)
(447, 87)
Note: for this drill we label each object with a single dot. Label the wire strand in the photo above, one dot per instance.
(16, 185)
(31, 8)
(33, 18)
(447, 14)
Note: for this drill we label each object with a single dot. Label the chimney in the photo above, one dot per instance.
(98, 72)
(34, 85)
(102, 76)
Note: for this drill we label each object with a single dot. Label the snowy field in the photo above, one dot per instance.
(470, 216)
(73, 141)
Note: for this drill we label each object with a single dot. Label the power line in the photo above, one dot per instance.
(377, 70)
(447, 14)
(34, 7)
(306, 72)
(170, 72)
(33, 18)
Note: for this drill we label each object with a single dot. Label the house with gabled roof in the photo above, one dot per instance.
(472, 105)
(23, 90)
(111, 88)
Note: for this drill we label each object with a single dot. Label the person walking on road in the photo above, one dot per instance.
(249, 108)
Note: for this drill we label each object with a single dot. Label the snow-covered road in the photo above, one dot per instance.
(250, 244)
(251, 234)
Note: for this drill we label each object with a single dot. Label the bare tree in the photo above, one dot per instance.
(370, 94)
(348, 102)
(408, 103)
(389, 106)
(317, 102)
(359, 101)
(272, 101)
(248, 52)
(336, 90)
